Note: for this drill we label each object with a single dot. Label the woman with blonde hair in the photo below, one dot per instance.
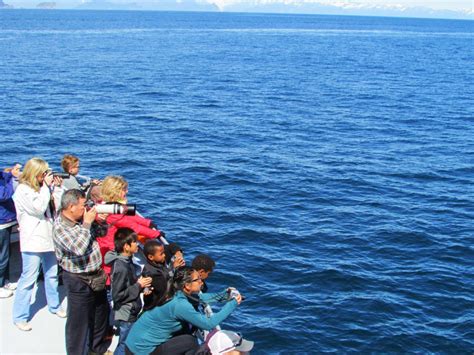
(114, 189)
(35, 218)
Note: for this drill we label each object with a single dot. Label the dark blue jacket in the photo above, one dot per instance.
(7, 208)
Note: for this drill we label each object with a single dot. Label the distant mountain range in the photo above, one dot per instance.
(4, 6)
(268, 6)
(343, 8)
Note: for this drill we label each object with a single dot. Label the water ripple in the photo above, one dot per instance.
(324, 162)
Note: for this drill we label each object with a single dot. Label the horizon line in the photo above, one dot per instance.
(219, 11)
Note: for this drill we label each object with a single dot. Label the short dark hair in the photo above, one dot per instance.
(124, 236)
(71, 197)
(203, 262)
(150, 247)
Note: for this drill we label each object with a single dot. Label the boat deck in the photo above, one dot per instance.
(47, 336)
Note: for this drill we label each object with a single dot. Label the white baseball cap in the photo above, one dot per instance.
(223, 341)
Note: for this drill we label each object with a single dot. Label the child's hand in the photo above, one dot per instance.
(147, 291)
(178, 262)
(144, 281)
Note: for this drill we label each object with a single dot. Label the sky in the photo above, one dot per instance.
(435, 4)
(453, 5)
(384, 7)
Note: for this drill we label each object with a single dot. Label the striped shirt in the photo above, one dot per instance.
(76, 248)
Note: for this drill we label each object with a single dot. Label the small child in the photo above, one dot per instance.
(126, 287)
(204, 265)
(71, 165)
(155, 268)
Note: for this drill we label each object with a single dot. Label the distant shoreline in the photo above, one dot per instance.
(262, 10)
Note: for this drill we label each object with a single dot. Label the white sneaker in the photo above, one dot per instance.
(11, 285)
(61, 313)
(4, 293)
(25, 326)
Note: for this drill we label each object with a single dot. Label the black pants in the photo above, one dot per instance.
(179, 345)
(88, 317)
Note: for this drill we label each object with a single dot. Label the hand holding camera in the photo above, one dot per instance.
(178, 261)
(57, 181)
(234, 293)
(239, 299)
(89, 215)
(53, 178)
(48, 178)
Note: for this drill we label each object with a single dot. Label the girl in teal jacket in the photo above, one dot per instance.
(153, 332)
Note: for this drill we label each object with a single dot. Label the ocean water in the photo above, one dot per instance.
(325, 162)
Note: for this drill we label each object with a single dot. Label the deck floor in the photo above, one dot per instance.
(47, 336)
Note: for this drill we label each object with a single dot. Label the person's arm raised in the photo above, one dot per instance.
(89, 217)
(185, 311)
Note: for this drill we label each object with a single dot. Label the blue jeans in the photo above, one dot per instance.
(4, 254)
(124, 330)
(31, 263)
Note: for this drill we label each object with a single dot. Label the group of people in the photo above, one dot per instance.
(155, 305)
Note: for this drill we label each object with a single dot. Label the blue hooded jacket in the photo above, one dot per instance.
(7, 208)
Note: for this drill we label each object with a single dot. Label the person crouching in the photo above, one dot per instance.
(126, 287)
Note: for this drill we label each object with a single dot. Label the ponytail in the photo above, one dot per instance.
(182, 276)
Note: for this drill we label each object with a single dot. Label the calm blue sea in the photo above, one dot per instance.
(325, 162)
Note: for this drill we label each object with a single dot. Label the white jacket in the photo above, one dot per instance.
(36, 230)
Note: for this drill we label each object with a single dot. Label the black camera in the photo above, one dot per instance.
(113, 208)
(99, 229)
(60, 174)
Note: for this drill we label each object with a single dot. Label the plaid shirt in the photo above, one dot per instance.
(76, 249)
